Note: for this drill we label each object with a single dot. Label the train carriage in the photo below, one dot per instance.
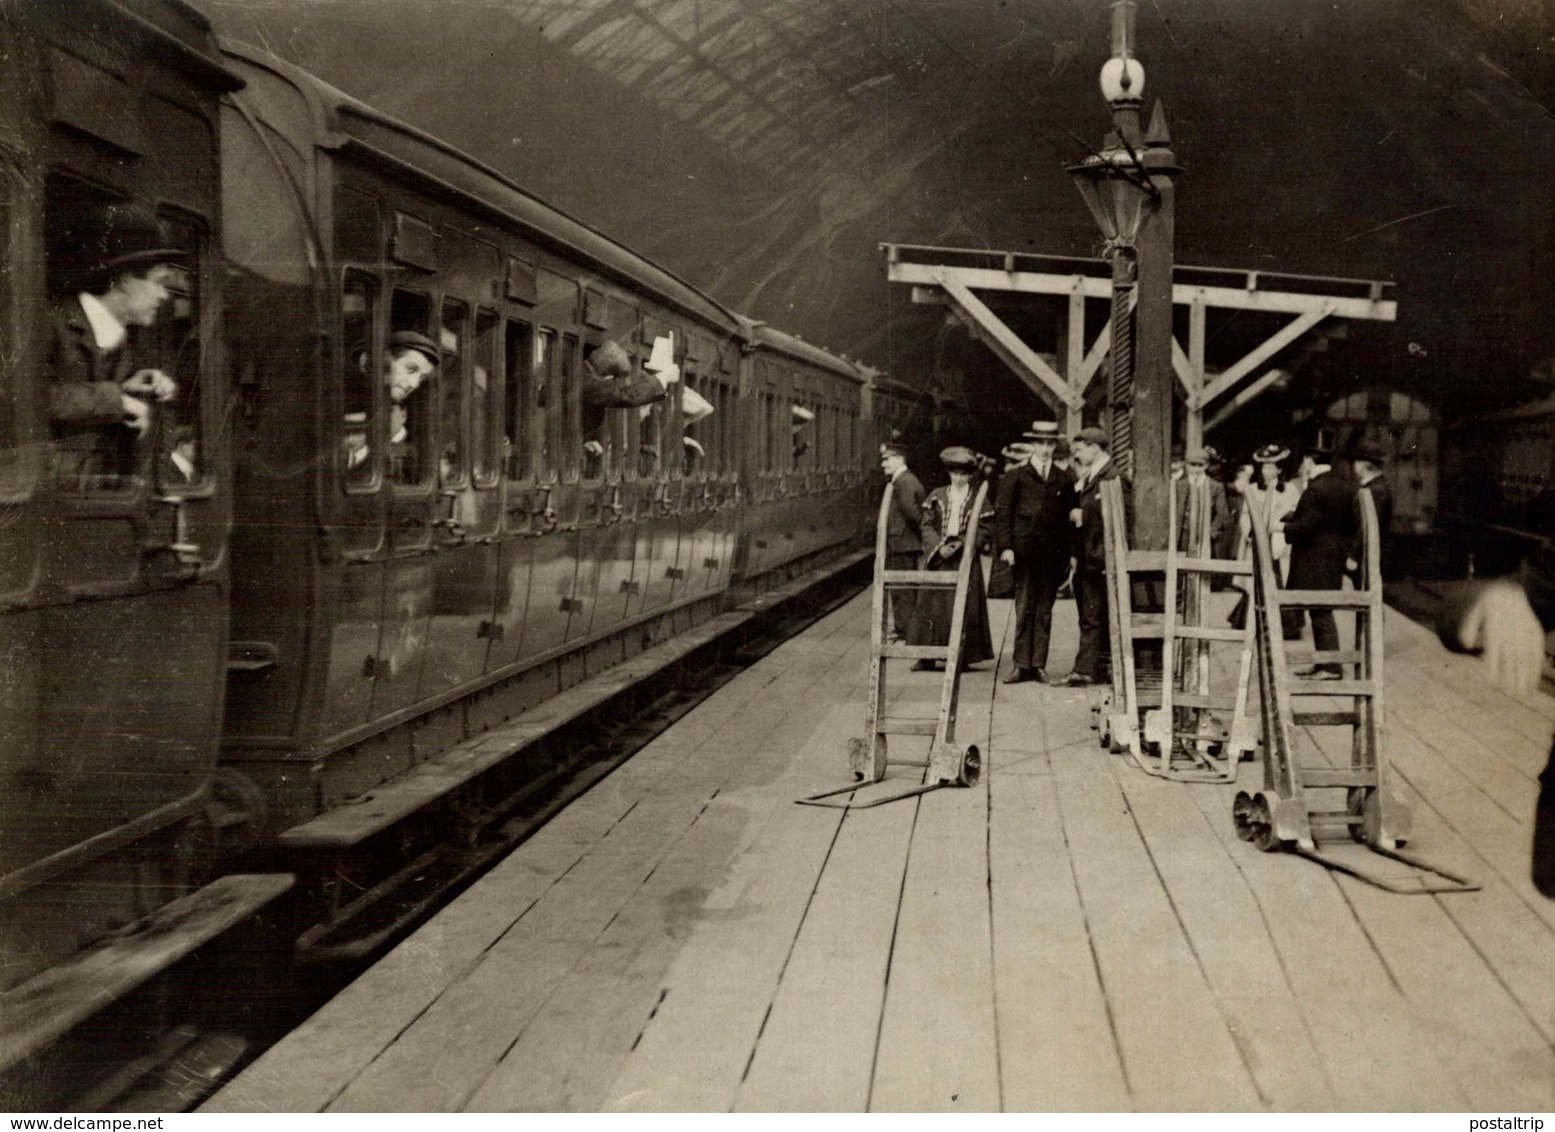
(410, 570)
(113, 555)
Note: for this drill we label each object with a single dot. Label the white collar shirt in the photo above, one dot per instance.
(108, 332)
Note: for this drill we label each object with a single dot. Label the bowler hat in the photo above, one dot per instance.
(1092, 435)
(610, 359)
(1061, 449)
(412, 340)
(1368, 450)
(959, 459)
(132, 236)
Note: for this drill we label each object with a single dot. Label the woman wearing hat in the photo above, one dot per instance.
(946, 513)
(1271, 498)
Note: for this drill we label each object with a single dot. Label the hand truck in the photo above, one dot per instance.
(947, 764)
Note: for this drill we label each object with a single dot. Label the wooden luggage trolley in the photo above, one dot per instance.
(1283, 815)
(1183, 736)
(947, 763)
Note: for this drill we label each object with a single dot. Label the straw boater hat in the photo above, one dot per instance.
(1271, 454)
(1042, 430)
(959, 459)
(1019, 452)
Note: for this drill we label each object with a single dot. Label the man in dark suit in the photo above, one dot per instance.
(1031, 536)
(904, 531)
(1321, 532)
(1196, 472)
(1367, 460)
(99, 402)
(1093, 656)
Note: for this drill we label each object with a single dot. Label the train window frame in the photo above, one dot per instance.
(486, 427)
(18, 464)
(544, 379)
(426, 446)
(518, 416)
(198, 276)
(454, 376)
(570, 376)
(371, 481)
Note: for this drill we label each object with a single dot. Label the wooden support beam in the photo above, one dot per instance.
(1043, 379)
(1074, 361)
(1184, 371)
(1272, 345)
(1100, 287)
(1243, 399)
(1196, 338)
(1099, 350)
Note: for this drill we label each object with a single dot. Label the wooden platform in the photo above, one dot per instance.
(1068, 934)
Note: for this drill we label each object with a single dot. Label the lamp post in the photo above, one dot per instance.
(1128, 186)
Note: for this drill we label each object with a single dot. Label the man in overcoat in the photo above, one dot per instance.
(1031, 536)
(1321, 532)
(904, 530)
(99, 402)
(1090, 572)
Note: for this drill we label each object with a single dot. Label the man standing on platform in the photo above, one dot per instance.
(1505, 621)
(1197, 473)
(1367, 461)
(1090, 571)
(1031, 538)
(904, 531)
(1321, 532)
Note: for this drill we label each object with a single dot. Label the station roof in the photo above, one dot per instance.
(764, 148)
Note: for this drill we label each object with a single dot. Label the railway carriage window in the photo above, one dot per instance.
(410, 375)
(567, 368)
(358, 301)
(452, 390)
(485, 403)
(517, 443)
(549, 398)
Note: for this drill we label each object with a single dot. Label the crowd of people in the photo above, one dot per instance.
(1043, 526)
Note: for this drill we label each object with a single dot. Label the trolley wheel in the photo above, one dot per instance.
(1254, 822)
(971, 767)
(1366, 802)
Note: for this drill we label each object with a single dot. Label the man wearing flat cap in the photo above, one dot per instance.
(1196, 477)
(904, 530)
(99, 402)
(1090, 572)
(1031, 536)
(947, 512)
(411, 360)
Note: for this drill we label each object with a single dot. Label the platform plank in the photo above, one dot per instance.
(937, 1035)
(440, 1062)
(1376, 1053)
(1230, 940)
(1069, 934)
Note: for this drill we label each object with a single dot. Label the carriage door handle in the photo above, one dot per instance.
(545, 512)
(615, 504)
(187, 552)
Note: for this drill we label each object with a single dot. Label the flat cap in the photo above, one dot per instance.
(411, 340)
(1092, 435)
